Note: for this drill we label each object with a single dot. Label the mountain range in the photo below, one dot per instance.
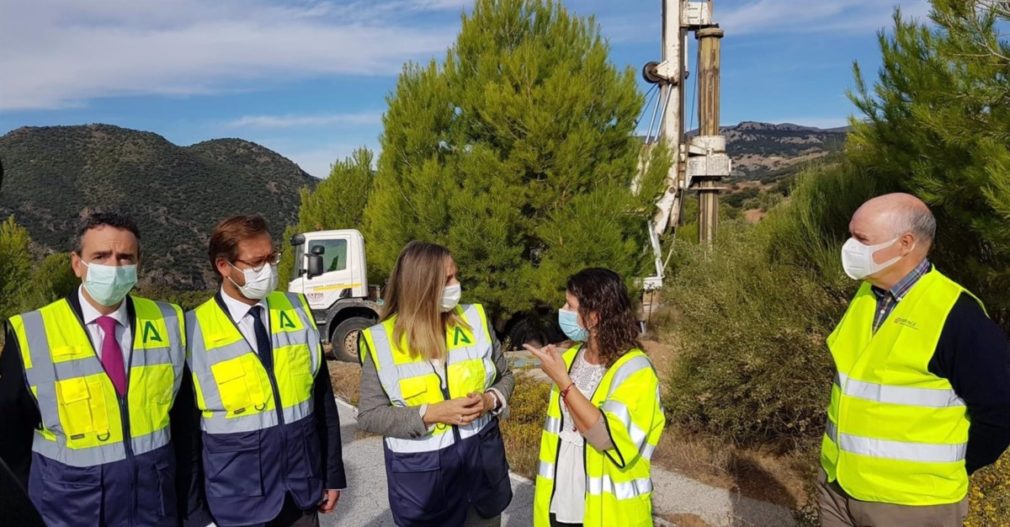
(177, 193)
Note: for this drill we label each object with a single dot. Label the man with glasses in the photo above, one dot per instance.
(271, 433)
(86, 386)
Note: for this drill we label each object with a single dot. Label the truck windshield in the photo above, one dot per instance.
(334, 255)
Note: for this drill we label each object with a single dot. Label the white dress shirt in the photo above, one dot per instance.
(124, 335)
(239, 313)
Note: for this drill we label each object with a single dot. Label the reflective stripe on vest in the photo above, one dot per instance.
(882, 393)
(899, 450)
(412, 381)
(233, 390)
(896, 433)
(616, 478)
(623, 491)
(82, 423)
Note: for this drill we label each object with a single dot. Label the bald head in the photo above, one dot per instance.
(901, 228)
(893, 215)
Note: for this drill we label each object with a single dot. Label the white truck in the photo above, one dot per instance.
(331, 272)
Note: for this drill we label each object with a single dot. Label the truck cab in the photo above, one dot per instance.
(331, 271)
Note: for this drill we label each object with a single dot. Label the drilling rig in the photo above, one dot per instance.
(700, 162)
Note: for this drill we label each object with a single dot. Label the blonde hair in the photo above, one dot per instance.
(414, 297)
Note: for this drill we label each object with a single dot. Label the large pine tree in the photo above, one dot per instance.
(517, 152)
(938, 126)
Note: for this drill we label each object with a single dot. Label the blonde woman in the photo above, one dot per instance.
(604, 417)
(434, 382)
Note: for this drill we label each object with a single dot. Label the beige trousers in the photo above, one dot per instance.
(838, 509)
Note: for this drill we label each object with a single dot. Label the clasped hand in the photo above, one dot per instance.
(458, 411)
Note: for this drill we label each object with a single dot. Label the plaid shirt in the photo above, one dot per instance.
(887, 300)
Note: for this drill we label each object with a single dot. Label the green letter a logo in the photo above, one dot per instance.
(151, 333)
(286, 322)
(460, 335)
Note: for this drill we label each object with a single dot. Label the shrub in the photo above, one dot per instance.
(990, 495)
(521, 430)
(752, 368)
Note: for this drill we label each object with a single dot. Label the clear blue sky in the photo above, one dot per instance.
(309, 78)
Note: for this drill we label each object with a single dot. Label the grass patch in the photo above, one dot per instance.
(346, 380)
(521, 430)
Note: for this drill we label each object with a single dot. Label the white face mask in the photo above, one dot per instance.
(857, 258)
(109, 284)
(450, 297)
(258, 284)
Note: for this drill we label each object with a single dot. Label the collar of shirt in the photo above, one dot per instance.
(905, 284)
(238, 310)
(89, 314)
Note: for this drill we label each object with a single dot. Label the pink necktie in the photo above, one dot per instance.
(112, 354)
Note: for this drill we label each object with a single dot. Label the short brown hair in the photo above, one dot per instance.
(230, 231)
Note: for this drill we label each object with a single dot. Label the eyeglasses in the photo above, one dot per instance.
(273, 258)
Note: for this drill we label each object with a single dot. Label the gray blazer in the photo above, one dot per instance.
(376, 415)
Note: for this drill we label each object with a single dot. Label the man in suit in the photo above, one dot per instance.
(271, 433)
(86, 387)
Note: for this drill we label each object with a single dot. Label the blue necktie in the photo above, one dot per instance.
(263, 347)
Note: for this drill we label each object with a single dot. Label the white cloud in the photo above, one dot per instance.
(59, 53)
(642, 22)
(291, 121)
(814, 16)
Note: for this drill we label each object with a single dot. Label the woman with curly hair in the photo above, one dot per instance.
(604, 418)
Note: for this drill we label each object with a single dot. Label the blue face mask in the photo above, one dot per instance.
(569, 322)
(109, 284)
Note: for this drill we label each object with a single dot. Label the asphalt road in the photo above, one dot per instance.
(365, 504)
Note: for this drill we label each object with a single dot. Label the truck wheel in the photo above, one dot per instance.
(345, 338)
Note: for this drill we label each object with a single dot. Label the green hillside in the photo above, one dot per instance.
(176, 193)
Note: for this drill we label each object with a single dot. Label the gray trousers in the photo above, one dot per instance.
(838, 509)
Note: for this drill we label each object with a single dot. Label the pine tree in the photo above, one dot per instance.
(517, 152)
(938, 126)
(338, 202)
(16, 287)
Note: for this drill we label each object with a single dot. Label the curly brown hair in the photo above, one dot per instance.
(602, 291)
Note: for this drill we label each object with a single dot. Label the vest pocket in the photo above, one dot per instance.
(74, 399)
(492, 454)
(414, 390)
(237, 385)
(233, 464)
(466, 377)
(69, 495)
(306, 461)
(416, 485)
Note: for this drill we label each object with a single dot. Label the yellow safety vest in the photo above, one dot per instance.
(82, 415)
(618, 483)
(234, 391)
(412, 381)
(896, 433)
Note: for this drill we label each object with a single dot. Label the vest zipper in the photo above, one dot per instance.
(124, 415)
(277, 393)
(443, 384)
